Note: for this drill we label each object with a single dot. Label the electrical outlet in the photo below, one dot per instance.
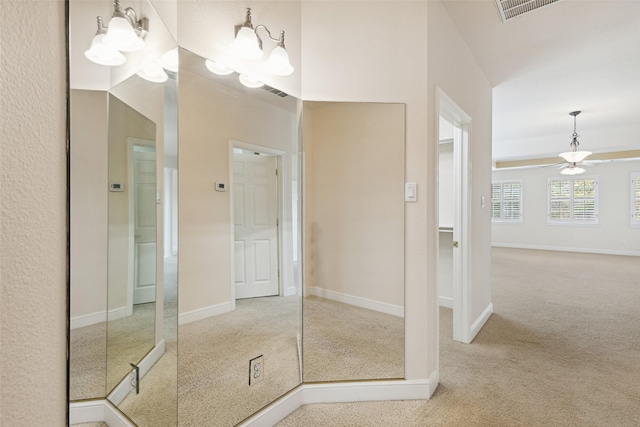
(256, 369)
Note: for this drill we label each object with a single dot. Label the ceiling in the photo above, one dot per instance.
(570, 55)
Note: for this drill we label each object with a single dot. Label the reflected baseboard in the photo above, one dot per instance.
(97, 317)
(203, 313)
(370, 304)
(359, 391)
(93, 411)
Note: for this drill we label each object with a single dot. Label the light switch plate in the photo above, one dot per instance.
(410, 192)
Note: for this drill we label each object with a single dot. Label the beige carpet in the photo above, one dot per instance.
(341, 342)
(562, 349)
(214, 354)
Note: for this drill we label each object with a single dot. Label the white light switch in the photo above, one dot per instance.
(410, 192)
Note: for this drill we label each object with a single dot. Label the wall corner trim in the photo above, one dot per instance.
(480, 321)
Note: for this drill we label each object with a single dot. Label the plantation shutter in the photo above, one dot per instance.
(635, 198)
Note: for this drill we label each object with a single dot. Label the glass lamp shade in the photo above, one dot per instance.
(278, 62)
(246, 44)
(217, 68)
(250, 81)
(169, 61)
(575, 170)
(122, 36)
(575, 156)
(153, 73)
(104, 54)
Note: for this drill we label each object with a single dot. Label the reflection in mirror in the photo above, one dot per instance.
(354, 241)
(132, 239)
(239, 301)
(123, 222)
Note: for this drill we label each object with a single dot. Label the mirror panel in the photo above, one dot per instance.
(354, 241)
(239, 295)
(118, 120)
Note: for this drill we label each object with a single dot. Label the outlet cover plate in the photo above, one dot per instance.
(256, 369)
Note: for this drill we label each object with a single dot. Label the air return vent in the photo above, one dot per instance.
(510, 9)
(280, 93)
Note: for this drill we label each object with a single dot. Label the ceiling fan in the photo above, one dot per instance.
(574, 158)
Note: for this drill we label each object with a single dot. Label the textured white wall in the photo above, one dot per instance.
(33, 212)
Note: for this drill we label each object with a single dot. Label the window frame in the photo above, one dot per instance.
(572, 220)
(634, 200)
(502, 219)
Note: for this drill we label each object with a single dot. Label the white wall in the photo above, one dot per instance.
(354, 174)
(455, 71)
(613, 234)
(33, 214)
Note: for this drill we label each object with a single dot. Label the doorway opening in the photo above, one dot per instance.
(453, 211)
(255, 189)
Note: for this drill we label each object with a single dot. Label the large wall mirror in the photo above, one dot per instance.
(285, 264)
(354, 241)
(123, 204)
(240, 286)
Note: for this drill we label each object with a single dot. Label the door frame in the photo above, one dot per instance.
(131, 263)
(280, 163)
(461, 121)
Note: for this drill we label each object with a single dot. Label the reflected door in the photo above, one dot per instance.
(255, 225)
(144, 175)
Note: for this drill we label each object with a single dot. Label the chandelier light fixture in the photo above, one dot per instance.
(125, 33)
(574, 156)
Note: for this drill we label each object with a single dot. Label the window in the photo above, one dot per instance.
(573, 200)
(635, 198)
(506, 201)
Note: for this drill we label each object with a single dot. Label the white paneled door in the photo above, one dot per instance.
(255, 207)
(144, 175)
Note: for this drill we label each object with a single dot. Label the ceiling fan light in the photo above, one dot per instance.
(575, 156)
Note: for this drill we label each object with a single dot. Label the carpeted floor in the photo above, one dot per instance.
(562, 349)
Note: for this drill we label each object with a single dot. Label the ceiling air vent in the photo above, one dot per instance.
(510, 9)
(280, 93)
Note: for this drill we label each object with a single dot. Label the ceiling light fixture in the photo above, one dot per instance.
(572, 169)
(249, 81)
(575, 156)
(248, 45)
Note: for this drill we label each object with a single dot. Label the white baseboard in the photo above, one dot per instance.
(122, 390)
(289, 291)
(357, 301)
(358, 391)
(203, 313)
(117, 313)
(88, 319)
(93, 411)
(566, 249)
(97, 317)
(445, 302)
(480, 321)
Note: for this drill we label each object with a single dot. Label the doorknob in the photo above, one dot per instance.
(455, 244)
